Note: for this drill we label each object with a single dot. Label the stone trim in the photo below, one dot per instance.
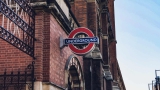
(53, 84)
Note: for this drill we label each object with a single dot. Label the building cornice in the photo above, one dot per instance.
(68, 23)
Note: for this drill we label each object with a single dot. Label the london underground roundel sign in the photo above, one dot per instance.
(87, 42)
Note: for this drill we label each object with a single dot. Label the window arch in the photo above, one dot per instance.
(73, 74)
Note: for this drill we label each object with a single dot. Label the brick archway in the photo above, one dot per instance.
(73, 74)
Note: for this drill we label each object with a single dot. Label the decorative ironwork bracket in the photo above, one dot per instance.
(10, 38)
(26, 7)
(25, 41)
(9, 13)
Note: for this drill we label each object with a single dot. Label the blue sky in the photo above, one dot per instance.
(138, 41)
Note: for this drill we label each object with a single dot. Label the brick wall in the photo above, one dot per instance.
(58, 57)
(39, 28)
(49, 60)
(112, 17)
(80, 11)
(112, 45)
(12, 58)
(92, 17)
(104, 49)
(54, 58)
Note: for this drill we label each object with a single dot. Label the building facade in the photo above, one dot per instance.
(31, 57)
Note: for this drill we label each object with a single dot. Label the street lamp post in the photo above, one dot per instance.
(157, 80)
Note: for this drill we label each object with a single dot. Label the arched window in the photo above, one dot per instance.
(73, 74)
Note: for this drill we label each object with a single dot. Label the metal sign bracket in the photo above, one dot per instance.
(61, 45)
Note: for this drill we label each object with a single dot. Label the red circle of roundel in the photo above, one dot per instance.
(88, 48)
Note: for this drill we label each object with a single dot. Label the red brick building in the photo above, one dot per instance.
(30, 53)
